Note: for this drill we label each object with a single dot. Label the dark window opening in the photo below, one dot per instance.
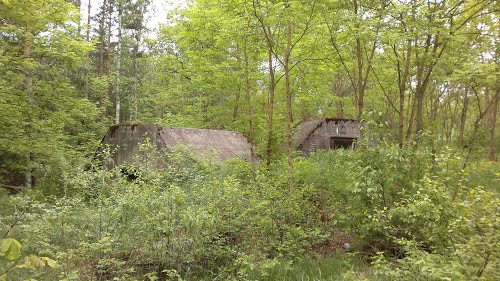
(342, 143)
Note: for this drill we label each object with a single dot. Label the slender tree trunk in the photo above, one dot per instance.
(88, 20)
(136, 69)
(78, 3)
(359, 58)
(109, 50)
(492, 122)
(118, 65)
(360, 93)
(411, 118)
(86, 87)
(402, 89)
(103, 96)
(423, 82)
(101, 39)
(419, 104)
(248, 95)
(482, 114)
(27, 84)
(447, 126)
(337, 89)
(289, 117)
(236, 108)
(109, 89)
(419, 113)
(266, 30)
(401, 124)
(270, 107)
(463, 119)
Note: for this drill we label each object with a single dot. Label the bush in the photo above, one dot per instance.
(414, 210)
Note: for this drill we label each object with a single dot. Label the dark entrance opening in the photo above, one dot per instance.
(342, 143)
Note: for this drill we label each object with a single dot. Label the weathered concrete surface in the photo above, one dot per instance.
(124, 139)
(320, 134)
(208, 143)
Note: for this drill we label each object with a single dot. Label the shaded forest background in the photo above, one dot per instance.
(422, 76)
(259, 67)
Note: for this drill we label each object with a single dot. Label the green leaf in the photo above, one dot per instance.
(3, 277)
(10, 248)
(32, 261)
(50, 262)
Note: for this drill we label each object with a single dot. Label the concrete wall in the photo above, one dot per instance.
(320, 138)
(123, 141)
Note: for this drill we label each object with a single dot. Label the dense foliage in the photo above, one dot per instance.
(414, 214)
(417, 200)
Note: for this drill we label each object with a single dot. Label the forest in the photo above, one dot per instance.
(417, 199)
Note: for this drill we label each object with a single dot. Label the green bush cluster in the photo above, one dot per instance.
(414, 213)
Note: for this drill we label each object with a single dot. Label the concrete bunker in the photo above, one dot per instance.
(324, 134)
(124, 140)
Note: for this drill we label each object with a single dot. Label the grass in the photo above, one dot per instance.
(339, 267)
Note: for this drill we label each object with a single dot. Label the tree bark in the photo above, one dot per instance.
(266, 30)
(403, 82)
(270, 106)
(27, 84)
(102, 34)
(109, 50)
(101, 39)
(236, 108)
(359, 59)
(289, 117)
(118, 65)
(463, 119)
(88, 20)
(136, 68)
(492, 125)
(411, 118)
(248, 97)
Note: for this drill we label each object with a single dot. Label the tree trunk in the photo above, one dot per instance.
(423, 81)
(248, 96)
(402, 89)
(136, 68)
(338, 90)
(88, 20)
(359, 57)
(103, 97)
(236, 108)
(118, 65)
(101, 39)
(419, 102)
(109, 51)
(27, 83)
(78, 3)
(492, 120)
(270, 107)
(463, 119)
(289, 117)
(411, 118)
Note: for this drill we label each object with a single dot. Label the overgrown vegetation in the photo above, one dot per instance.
(416, 201)
(411, 213)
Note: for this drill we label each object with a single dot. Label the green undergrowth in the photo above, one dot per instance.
(411, 214)
(340, 267)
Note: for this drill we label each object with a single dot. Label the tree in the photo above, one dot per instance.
(39, 107)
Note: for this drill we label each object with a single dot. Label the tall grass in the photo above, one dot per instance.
(340, 267)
